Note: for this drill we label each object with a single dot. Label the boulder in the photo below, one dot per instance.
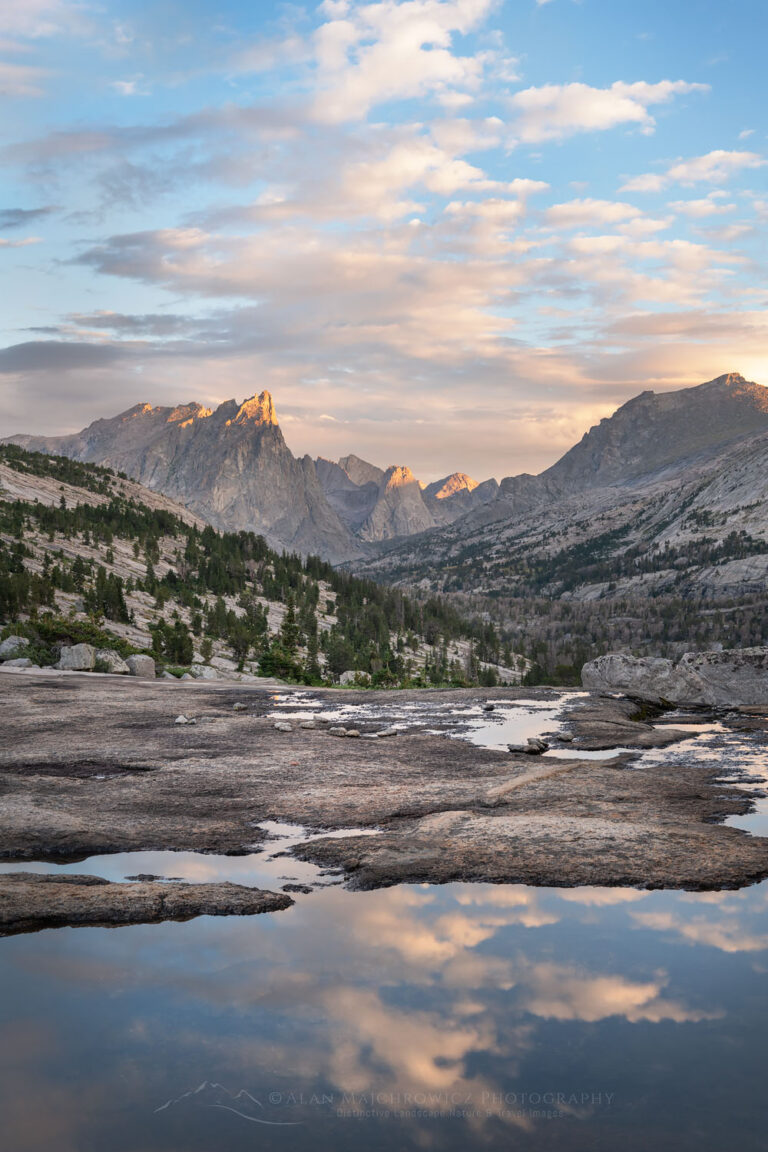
(347, 677)
(20, 662)
(204, 672)
(114, 661)
(143, 666)
(283, 726)
(77, 658)
(534, 746)
(13, 646)
(729, 679)
(337, 730)
(308, 724)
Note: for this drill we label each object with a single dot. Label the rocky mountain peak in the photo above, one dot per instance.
(397, 476)
(451, 485)
(256, 410)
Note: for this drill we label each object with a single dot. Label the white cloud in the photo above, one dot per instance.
(578, 213)
(699, 209)
(715, 168)
(555, 111)
(21, 79)
(386, 51)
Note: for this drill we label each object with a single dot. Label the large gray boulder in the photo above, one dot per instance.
(112, 661)
(143, 666)
(728, 679)
(204, 672)
(77, 658)
(13, 646)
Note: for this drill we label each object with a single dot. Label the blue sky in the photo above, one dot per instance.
(447, 233)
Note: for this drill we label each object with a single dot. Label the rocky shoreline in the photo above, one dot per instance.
(93, 767)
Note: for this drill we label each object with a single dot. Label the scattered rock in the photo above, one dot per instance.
(185, 676)
(297, 888)
(143, 666)
(19, 662)
(565, 738)
(337, 730)
(352, 732)
(489, 707)
(387, 732)
(308, 724)
(77, 658)
(114, 661)
(168, 675)
(239, 707)
(13, 646)
(283, 726)
(185, 720)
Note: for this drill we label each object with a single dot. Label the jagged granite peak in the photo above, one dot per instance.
(397, 476)
(400, 509)
(257, 410)
(450, 486)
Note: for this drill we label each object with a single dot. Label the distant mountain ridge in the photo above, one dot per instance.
(232, 467)
(669, 495)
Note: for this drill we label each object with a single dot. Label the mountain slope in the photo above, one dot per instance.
(671, 491)
(88, 556)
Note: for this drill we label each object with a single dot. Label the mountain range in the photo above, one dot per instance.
(232, 466)
(668, 478)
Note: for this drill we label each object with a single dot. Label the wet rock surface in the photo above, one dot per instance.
(29, 901)
(98, 766)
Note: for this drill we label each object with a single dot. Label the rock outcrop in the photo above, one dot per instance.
(30, 901)
(729, 679)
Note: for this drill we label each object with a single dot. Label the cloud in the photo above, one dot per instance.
(699, 209)
(19, 243)
(561, 993)
(21, 79)
(715, 167)
(555, 111)
(43, 355)
(594, 213)
(11, 218)
(727, 935)
(130, 87)
(374, 53)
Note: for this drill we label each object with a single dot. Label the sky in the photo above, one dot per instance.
(451, 234)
